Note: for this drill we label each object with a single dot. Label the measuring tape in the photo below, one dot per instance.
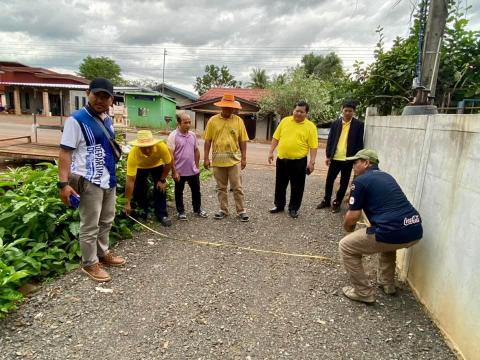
(234, 246)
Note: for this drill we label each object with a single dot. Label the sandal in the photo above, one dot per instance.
(244, 217)
(219, 215)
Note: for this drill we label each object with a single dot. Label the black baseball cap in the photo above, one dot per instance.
(101, 84)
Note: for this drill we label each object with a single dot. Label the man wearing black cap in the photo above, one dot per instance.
(394, 224)
(86, 165)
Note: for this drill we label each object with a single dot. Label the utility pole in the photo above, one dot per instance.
(163, 82)
(437, 18)
(427, 68)
(163, 71)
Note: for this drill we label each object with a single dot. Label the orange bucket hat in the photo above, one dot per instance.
(228, 100)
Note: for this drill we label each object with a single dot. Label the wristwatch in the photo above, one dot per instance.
(163, 181)
(62, 184)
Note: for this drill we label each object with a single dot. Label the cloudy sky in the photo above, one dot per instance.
(243, 34)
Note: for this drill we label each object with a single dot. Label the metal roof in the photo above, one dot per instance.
(149, 93)
(47, 85)
(188, 94)
(120, 89)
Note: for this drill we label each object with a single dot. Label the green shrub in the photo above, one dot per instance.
(38, 234)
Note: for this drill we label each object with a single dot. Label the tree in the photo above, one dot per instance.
(387, 83)
(92, 67)
(259, 78)
(215, 77)
(299, 86)
(279, 79)
(324, 67)
(459, 72)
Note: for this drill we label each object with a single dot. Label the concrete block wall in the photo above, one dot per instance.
(436, 160)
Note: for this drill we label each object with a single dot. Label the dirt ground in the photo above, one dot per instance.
(180, 300)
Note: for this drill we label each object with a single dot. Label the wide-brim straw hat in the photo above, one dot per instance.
(228, 100)
(144, 138)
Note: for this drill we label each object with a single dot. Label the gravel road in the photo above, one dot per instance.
(180, 300)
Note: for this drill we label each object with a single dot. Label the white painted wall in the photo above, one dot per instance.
(436, 160)
(261, 129)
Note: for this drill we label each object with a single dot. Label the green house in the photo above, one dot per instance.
(150, 110)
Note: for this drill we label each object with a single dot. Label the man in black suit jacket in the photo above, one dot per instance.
(345, 139)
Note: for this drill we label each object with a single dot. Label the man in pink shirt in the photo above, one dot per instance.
(183, 145)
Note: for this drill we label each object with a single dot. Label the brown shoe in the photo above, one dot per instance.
(350, 293)
(96, 272)
(112, 260)
(389, 289)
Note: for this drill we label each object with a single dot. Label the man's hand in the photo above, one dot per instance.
(327, 162)
(127, 208)
(243, 163)
(65, 193)
(270, 157)
(350, 219)
(162, 186)
(311, 167)
(206, 164)
(176, 176)
(349, 228)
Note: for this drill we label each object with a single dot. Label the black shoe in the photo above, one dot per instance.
(293, 213)
(201, 213)
(275, 210)
(182, 216)
(335, 206)
(165, 221)
(323, 205)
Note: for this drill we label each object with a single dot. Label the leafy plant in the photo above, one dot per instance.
(38, 234)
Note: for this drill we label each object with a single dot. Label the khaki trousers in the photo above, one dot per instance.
(97, 211)
(358, 243)
(224, 175)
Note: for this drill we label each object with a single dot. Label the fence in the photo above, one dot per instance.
(436, 161)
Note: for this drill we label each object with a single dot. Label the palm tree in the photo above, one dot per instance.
(259, 78)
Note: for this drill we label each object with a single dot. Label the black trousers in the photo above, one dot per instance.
(293, 172)
(140, 192)
(194, 183)
(345, 170)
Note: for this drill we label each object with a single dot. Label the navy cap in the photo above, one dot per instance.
(101, 84)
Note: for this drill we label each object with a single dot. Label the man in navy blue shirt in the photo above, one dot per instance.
(394, 224)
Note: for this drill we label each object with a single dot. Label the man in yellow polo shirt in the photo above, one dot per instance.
(149, 156)
(296, 138)
(345, 139)
(227, 135)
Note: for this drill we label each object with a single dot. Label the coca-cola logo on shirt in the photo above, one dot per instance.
(415, 219)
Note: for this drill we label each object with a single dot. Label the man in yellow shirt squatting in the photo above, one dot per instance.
(296, 137)
(226, 134)
(149, 156)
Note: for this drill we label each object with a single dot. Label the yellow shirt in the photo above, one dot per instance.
(341, 152)
(295, 139)
(225, 135)
(136, 160)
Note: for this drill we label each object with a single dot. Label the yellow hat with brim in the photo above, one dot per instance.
(228, 100)
(144, 139)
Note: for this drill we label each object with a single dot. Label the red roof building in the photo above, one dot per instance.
(256, 128)
(25, 89)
